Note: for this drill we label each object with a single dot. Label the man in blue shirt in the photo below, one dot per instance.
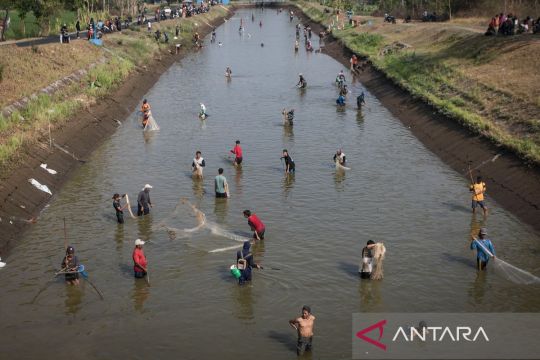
(484, 249)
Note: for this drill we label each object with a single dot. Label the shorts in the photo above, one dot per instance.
(140, 274)
(71, 277)
(238, 160)
(261, 235)
(365, 275)
(221, 195)
(303, 344)
(481, 265)
(145, 210)
(475, 204)
(120, 217)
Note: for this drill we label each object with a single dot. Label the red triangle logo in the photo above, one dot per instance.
(377, 343)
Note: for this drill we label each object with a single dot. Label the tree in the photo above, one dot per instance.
(5, 5)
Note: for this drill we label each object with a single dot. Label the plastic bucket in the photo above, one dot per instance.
(235, 272)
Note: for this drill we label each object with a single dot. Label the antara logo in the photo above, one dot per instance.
(439, 333)
(427, 333)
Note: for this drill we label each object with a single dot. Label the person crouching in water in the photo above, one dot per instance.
(245, 263)
(367, 260)
(256, 225)
(70, 264)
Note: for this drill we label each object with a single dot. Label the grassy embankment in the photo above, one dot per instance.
(488, 84)
(37, 67)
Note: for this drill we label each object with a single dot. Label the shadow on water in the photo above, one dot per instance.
(349, 269)
(126, 269)
(288, 133)
(458, 259)
(476, 224)
(284, 338)
(456, 207)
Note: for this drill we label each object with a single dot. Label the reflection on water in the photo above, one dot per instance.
(288, 183)
(221, 206)
(242, 296)
(73, 297)
(477, 222)
(370, 295)
(198, 188)
(477, 288)
(139, 294)
(145, 226)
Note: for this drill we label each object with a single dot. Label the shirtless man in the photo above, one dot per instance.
(304, 326)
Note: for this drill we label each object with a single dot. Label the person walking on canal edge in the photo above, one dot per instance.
(484, 249)
(70, 265)
(119, 208)
(143, 201)
(478, 189)
(256, 225)
(220, 185)
(139, 260)
(245, 263)
(197, 165)
(290, 166)
(304, 326)
(237, 151)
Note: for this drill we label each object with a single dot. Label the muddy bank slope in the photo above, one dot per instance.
(72, 143)
(513, 183)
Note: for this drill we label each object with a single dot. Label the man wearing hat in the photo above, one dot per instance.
(484, 249)
(70, 265)
(139, 260)
(143, 201)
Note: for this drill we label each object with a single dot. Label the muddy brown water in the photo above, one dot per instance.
(317, 220)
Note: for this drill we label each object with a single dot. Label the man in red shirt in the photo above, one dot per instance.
(237, 151)
(139, 260)
(256, 225)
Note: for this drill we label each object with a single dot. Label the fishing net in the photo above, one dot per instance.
(151, 124)
(175, 232)
(129, 207)
(378, 257)
(511, 272)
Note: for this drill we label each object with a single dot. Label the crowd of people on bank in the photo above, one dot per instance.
(510, 24)
(96, 29)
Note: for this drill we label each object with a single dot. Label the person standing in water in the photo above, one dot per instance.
(202, 112)
(304, 326)
(228, 72)
(145, 109)
(360, 100)
(302, 83)
(237, 151)
(478, 189)
(70, 265)
(339, 157)
(245, 263)
(255, 224)
(290, 166)
(140, 264)
(220, 185)
(119, 208)
(198, 164)
(484, 249)
(367, 260)
(143, 201)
